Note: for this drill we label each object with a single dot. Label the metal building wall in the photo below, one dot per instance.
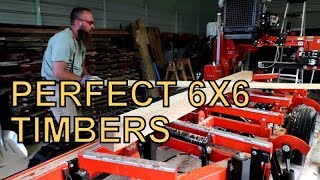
(312, 12)
(123, 12)
(19, 12)
(177, 16)
(162, 14)
(57, 12)
(188, 13)
(208, 13)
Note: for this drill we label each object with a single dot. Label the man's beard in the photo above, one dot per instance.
(85, 38)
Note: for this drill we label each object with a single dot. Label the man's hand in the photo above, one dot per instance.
(89, 77)
(95, 78)
(84, 79)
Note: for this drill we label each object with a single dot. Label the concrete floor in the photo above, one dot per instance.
(311, 170)
(20, 165)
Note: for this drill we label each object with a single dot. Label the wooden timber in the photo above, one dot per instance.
(179, 106)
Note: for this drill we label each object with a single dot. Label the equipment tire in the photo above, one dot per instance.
(301, 123)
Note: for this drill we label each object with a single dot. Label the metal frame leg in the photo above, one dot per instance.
(297, 76)
(302, 32)
(312, 75)
(279, 72)
(302, 75)
(149, 149)
(284, 17)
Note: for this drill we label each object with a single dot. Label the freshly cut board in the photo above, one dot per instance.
(262, 85)
(179, 106)
(252, 84)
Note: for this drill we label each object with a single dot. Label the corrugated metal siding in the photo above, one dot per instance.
(17, 12)
(188, 23)
(162, 14)
(312, 13)
(188, 16)
(208, 13)
(124, 12)
(164, 5)
(179, 16)
(164, 20)
(57, 12)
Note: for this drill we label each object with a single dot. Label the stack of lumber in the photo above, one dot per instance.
(148, 41)
(21, 59)
(22, 48)
(111, 61)
(114, 64)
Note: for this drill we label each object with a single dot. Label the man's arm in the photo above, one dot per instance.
(84, 69)
(60, 72)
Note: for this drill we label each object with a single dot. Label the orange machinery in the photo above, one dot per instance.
(230, 48)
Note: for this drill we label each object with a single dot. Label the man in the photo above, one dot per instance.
(64, 60)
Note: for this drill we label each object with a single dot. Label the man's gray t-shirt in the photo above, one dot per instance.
(63, 47)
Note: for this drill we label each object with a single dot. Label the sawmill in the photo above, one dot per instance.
(146, 89)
